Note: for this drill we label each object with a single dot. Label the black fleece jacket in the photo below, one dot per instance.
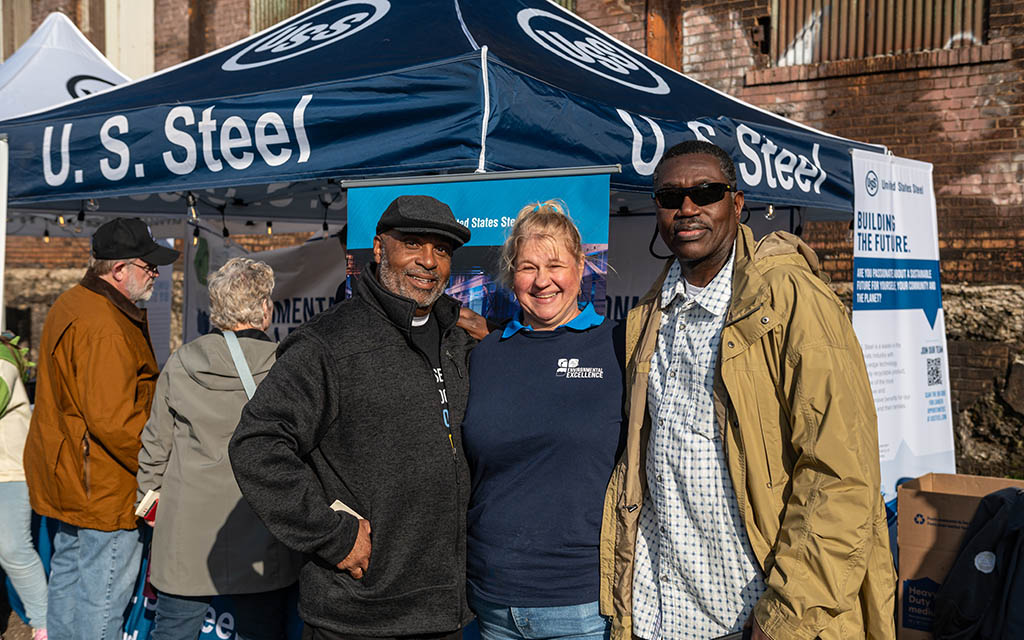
(350, 411)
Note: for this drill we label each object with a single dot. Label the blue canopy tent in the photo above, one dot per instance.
(270, 127)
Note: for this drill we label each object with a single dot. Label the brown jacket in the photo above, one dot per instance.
(95, 383)
(798, 425)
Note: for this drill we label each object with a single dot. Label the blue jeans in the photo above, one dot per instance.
(92, 577)
(18, 557)
(258, 616)
(572, 622)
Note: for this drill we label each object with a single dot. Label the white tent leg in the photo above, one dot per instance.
(3, 227)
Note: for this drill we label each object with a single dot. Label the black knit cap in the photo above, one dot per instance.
(125, 238)
(422, 214)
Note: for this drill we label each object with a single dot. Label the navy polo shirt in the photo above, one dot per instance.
(542, 432)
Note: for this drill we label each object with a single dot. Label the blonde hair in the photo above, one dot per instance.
(548, 220)
(238, 291)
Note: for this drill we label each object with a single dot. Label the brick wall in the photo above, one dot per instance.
(961, 110)
(88, 16)
(170, 32)
(185, 29)
(975, 366)
(624, 19)
(226, 22)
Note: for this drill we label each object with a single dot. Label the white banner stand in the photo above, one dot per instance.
(898, 316)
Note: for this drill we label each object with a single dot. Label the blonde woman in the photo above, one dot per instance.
(541, 434)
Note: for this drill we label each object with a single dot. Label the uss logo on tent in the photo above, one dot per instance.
(309, 32)
(590, 50)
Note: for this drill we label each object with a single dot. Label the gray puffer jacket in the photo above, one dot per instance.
(207, 540)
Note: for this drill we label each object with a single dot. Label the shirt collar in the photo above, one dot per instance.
(714, 298)
(586, 319)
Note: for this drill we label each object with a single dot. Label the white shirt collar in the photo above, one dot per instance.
(714, 297)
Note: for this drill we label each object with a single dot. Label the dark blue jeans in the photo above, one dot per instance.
(258, 616)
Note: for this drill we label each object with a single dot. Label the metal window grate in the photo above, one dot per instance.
(267, 13)
(568, 4)
(811, 31)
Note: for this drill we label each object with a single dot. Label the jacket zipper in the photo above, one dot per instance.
(454, 362)
(85, 462)
(455, 465)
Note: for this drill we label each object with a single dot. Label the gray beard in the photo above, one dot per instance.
(140, 296)
(392, 281)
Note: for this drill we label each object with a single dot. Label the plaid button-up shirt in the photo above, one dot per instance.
(695, 575)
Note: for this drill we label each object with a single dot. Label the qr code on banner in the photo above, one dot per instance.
(934, 366)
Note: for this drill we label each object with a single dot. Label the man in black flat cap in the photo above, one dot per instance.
(357, 426)
(97, 373)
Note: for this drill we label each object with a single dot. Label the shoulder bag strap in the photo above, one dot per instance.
(240, 364)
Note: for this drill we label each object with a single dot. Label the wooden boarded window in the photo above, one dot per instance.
(267, 13)
(811, 31)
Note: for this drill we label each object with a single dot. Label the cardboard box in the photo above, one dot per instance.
(934, 512)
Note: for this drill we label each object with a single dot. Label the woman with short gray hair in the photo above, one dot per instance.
(207, 541)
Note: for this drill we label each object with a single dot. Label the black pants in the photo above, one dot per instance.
(309, 632)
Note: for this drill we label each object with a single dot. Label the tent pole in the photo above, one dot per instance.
(482, 165)
(4, 148)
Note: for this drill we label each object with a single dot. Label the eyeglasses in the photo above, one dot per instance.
(150, 269)
(701, 195)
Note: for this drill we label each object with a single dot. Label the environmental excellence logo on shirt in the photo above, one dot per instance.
(570, 368)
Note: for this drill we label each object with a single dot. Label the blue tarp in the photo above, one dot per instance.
(372, 88)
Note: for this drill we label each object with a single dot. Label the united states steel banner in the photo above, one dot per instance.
(898, 316)
(489, 207)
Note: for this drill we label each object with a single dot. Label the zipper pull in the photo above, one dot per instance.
(448, 353)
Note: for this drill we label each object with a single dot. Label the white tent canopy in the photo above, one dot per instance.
(55, 65)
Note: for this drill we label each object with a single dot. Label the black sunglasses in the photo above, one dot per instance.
(701, 195)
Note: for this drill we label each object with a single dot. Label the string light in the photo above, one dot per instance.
(190, 202)
(92, 205)
(223, 222)
(60, 219)
(195, 237)
(270, 227)
(769, 214)
(46, 235)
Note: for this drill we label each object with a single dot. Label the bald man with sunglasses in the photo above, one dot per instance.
(747, 503)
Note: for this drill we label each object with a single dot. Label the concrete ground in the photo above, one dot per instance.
(16, 629)
(11, 626)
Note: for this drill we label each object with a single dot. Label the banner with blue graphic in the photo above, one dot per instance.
(898, 316)
(489, 207)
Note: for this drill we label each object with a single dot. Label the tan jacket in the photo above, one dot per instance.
(798, 425)
(93, 390)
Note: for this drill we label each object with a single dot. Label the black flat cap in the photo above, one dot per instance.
(422, 214)
(124, 238)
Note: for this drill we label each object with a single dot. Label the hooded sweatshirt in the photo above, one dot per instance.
(207, 541)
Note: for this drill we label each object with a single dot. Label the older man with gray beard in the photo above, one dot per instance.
(96, 378)
(356, 428)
